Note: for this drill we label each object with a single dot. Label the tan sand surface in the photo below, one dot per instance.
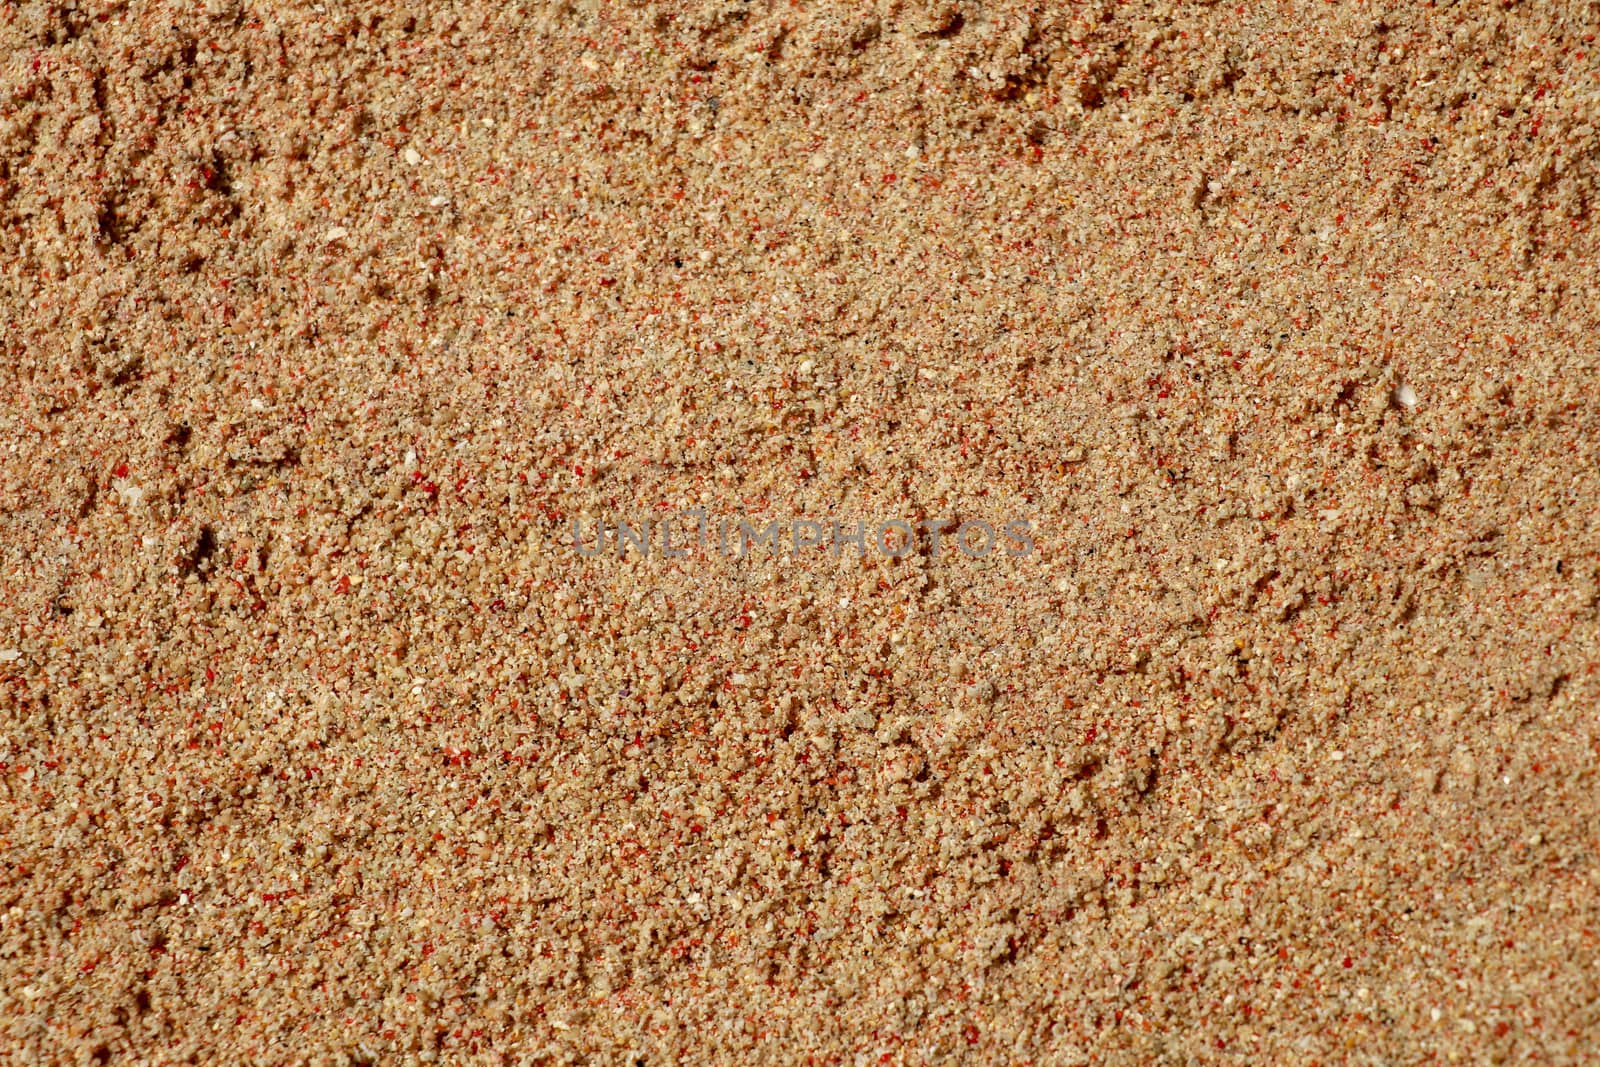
(1274, 742)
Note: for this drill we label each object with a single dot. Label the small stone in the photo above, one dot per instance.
(413, 157)
(1405, 397)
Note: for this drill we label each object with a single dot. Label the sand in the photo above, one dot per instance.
(323, 743)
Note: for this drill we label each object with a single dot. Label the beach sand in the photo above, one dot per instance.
(1274, 740)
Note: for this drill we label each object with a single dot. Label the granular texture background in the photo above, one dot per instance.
(321, 743)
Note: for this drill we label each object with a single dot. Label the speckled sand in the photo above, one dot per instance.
(320, 742)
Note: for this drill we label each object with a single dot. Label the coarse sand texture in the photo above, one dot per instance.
(755, 532)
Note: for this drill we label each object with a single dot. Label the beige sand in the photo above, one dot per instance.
(321, 743)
